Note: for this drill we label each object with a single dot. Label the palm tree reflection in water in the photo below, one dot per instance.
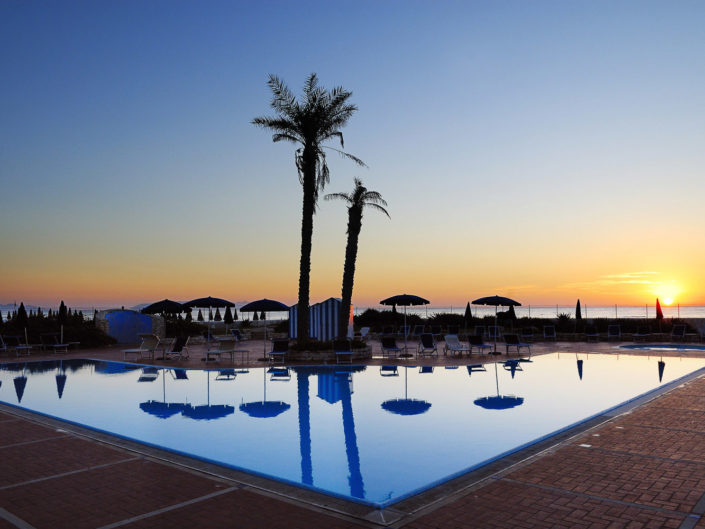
(332, 387)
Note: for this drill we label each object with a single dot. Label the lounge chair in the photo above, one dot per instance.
(452, 344)
(436, 331)
(512, 340)
(179, 374)
(149, 374)
(48, 340)
(149, 344)
(389, 346)
(614, 332)
(404, 331)
(364, 334)
(678, 332)
(493, 333)
(549, 332)
(388, 371)
(418, 331)
(642, 333)
(178, 348)
(479, 343)
(427, 345)
(280, 348)
(226, 374)
(480, 331)
(591, 334)
(343, 351)
(527, 334)
(426, 370)
(237, 334)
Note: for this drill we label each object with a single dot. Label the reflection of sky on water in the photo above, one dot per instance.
(336, 436)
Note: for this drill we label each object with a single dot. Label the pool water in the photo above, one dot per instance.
(370, 434)
(668, 347)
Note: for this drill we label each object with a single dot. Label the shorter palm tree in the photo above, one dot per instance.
(357, 200)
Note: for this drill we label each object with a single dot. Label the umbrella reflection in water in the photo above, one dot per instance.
(265, 409)
(164, 409)
(498, 402)
(208, 411)
(406, 406)
(661, 367)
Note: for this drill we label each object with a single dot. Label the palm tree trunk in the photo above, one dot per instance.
(354, 227)
(308, 209)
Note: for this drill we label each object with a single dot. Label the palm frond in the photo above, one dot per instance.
(346, 155)
(338, 196)
(379, 208)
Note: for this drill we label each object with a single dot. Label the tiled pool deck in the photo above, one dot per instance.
(644, 468)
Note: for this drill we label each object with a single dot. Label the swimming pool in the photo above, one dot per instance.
(369, 434)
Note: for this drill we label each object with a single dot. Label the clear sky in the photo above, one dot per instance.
(540, 150)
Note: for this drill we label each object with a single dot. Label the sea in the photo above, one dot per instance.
(532, 311)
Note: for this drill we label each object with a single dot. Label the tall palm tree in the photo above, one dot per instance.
(357, 201)
(310, 122)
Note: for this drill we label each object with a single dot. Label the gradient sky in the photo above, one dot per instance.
(540, 150)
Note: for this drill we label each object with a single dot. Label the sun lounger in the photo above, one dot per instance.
(224, 346)
(474, 368)
(614, 332)
(591, 334)
(480, 331)
(549, 332)
(426, 370)
(493, 333)
(237, 334)
(512, 340)
(418, 331)
(452, 344)
(343, 351)
(436, 331)
(527, 334)
(642, 333)
(404, 330)
(226, 374)
(479, 343)
(280, 348)
(389, 346)
(678, 332)
(178, 349)
(149, 374)
(179, 374)
(149, 344)
(427, 345)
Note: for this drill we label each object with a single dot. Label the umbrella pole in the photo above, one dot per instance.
(405, 333)
(495, 329)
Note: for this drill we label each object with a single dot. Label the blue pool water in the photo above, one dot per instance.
(370, 434)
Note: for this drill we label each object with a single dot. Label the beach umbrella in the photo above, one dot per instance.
(498, 402)
(578, 313)
(264, 408)
(209, 302)
(165, 306)
(661, 367)
(496, 301)
(405, 300)
(406, 406)
(264, 305)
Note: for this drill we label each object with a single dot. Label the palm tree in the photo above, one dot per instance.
(315, 119)
(357, 200)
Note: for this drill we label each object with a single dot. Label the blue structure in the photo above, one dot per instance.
(126, 325)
